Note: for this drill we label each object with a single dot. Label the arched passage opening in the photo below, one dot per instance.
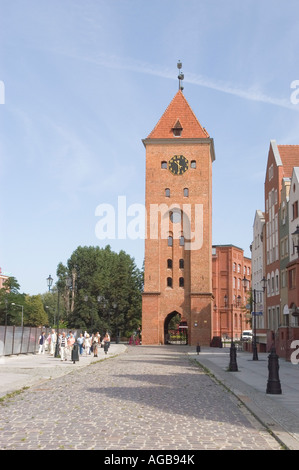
(175, 329)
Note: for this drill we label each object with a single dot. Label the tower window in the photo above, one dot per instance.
(182, 240)
(193, 164)
(167, 192)
(186, 192)
(169, 282)
(181, 282)
(170, 240)
(177, 129)
(164, 165)
(169, 263)
(181, 263)
(177, 132)
(175, 216)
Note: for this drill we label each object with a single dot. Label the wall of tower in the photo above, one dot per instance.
(192, 300)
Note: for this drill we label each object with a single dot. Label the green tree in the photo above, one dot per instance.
(106, 289)
(34, 313)
(9, 294)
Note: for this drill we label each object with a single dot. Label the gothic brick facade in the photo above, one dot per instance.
(178, 245)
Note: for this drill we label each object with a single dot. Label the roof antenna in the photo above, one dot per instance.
(181, 75)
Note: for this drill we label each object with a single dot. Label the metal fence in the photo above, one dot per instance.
(18, 340)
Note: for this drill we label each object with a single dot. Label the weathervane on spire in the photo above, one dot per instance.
(181, 75)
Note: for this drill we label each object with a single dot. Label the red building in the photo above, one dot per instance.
(229, 267)
(178, 245)
(3, 278)
(281, 161)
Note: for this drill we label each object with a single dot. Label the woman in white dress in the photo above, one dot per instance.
(87, 344)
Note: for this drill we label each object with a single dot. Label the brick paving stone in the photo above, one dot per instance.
(149, 398)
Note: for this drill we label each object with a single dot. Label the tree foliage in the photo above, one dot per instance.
(13, 303)
(34, 313)
(101, 290)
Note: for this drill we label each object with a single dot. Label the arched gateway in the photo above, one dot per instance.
(175, 329)
(178, 255)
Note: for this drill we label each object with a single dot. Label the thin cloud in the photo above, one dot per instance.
(250, 94)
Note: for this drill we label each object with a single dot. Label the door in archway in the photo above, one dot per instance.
(175, 329)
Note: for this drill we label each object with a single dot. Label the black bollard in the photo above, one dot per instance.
(198, 348)
(273, 385)
(233, 366)
(75, 353)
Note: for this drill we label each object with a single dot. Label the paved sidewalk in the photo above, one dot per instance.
(280, 413)
(25, 370)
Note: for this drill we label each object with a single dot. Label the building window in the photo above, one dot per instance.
(193, 164)
(169, 282)
(181, 282)
(295, 210)
(186, 192)
(177, 132)
(169, 263)
(167, 192)
(175, 216)
(182, 240)
(170, 241)
(292, 278)
(181, 263)
(177, 129)
(283, 279)
(164, 165)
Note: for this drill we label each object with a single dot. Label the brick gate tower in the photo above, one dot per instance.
(178, 245)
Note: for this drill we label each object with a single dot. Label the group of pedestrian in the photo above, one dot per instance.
(93, 343)
(87, 343)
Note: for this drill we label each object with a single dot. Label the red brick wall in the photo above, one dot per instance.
(229, 318)
(193, 301)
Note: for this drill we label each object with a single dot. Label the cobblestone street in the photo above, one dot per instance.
(150, 398)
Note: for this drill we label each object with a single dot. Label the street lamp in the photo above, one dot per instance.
(233, 366)
(49, 281)
(17, 305)
(254, 313)
(114, 305)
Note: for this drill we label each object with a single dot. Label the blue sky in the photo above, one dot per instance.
(86, 81)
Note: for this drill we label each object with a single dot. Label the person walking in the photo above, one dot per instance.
(42, 343)
(87, 344)
(70, 343)
(63, 347)
(106, 342)
(53, 342)
(80, 342)
(95, 344)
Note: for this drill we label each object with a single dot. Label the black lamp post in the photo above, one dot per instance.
(117, 332)
(49, 281)
(253, 311)
(233, 366)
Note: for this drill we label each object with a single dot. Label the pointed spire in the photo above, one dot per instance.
(178, 121)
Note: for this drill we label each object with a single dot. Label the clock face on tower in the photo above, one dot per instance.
(178, 164)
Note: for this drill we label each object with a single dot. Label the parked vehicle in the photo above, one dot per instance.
(246, 335)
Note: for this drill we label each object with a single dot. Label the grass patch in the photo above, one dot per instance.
(12, 395)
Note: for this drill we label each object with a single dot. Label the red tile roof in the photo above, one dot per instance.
(178, 109)
(289, 155)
